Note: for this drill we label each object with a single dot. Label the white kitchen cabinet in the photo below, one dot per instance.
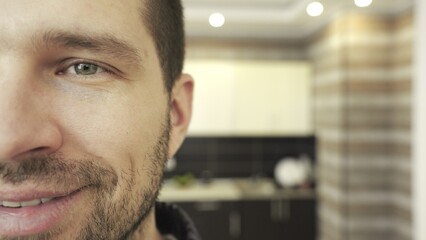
(235, 97)
(214, 97)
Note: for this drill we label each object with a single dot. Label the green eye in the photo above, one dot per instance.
(86, 69)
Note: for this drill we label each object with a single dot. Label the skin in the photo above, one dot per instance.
(107, 133)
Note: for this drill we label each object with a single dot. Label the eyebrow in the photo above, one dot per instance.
(95, 42)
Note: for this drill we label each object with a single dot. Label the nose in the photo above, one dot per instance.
(26, 123)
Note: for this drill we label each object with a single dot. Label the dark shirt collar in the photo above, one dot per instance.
(171, 220)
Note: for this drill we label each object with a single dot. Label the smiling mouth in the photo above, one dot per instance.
(33, 215)
(36, 201)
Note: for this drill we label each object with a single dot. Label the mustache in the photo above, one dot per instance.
(57, 170)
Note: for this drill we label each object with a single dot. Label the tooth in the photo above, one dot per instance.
(34, 202)
(45, 200)
(11, 204)
(31, 203)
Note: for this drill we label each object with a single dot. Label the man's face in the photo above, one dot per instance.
(84, 119)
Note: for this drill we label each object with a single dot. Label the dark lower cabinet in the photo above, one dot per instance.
(279, 220)
(215, 220)
(254, 220)
(265, 220)
(303, 223)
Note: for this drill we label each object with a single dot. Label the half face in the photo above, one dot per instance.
(84, 119)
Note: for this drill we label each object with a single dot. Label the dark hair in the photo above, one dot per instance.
(164, 20)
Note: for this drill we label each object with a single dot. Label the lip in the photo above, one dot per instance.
(33, 220)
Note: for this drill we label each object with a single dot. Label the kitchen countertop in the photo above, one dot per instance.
(231, 190)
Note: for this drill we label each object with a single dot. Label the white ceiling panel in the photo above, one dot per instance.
(271, 19)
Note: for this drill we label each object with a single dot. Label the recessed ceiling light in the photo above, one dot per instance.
(315, 9)
(217, 20)
(363, 3)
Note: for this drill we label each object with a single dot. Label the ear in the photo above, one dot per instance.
(180, 111)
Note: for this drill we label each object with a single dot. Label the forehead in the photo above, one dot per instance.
(21, 19)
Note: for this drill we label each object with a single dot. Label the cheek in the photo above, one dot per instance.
(117, 129)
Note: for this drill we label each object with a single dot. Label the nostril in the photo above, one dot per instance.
(39, 149)
(36, 137)
(25, 154)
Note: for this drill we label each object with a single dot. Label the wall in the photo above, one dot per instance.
(239, 157)
(362, 88)
(400, 150)
(419, 118)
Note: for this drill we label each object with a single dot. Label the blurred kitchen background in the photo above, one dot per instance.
(302, 120)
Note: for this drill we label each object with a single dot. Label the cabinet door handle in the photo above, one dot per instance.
(274, 211)
(286, 210)
(280, 210)
(235, 224)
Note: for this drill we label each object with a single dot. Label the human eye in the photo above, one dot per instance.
(77, 68)
(84, 69)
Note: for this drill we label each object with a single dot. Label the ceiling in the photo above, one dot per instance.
(272, 19)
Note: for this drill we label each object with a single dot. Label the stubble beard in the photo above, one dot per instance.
(108, 220)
